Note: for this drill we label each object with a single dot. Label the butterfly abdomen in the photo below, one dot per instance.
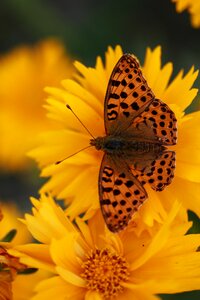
(122, 145)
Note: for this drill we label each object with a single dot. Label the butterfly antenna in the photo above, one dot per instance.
(60, 161)
(69, 107)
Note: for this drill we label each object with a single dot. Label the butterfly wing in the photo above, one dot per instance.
(120, 193)
(158, 123)
(127, 95)
(130, 106)
(158, 171)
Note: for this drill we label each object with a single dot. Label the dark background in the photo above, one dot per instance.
(87, 28)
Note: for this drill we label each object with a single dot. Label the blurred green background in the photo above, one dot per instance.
(87, 28)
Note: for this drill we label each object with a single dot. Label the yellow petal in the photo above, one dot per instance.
(77, 90)
(175, 245)
(187, 192)
(158, 241)
(57, 288)
(111, 58)
(45, 225)
(26, 291)
(92, 295)
(153, 209)
(63, 252)
(34, 255)
(10, 221)
(48, 220)
(61, 149)
(71, 278)
(193, 6)
(179, 91)
(85, 230)
(185, 270)
(152, 65)
(192, 173)
(91, 80)
(188, 157)
(139, 291)
(24, 72)
(81, 108)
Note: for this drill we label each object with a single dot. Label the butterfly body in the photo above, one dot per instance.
(125, 145)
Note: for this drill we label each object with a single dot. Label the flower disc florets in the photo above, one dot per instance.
(104, 272)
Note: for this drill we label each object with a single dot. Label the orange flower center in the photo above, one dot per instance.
(104, 272)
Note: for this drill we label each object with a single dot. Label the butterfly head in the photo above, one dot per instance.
(97, 142)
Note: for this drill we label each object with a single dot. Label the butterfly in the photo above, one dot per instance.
(138, 128)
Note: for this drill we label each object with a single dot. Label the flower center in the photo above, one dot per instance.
(104, 272)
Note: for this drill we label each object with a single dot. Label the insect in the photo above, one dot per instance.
(138, 130)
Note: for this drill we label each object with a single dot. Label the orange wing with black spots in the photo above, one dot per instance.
(158, 122)
(127, 95)
(157, 172)
(120, 193)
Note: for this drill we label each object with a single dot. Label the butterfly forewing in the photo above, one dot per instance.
(120, 193)
(127, 95)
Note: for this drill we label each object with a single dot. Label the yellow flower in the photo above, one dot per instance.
(193, 6)
(24, 72)
(11, 283)
(76, 179)
(23, 287)
(89, 262)
(9, 222)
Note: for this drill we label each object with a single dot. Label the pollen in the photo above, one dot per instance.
(104, 272)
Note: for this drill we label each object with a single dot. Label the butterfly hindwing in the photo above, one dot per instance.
(127, 95)
(158, 122)
(120, 193)
(157, 172)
